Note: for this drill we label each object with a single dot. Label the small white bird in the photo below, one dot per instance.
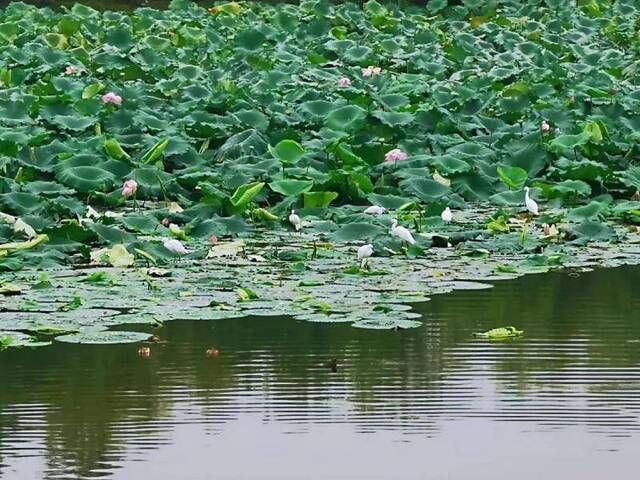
(446, 215)
(401, 232)
(295, 221)
(531, 204)
(375, 210)
(364, 252)
(174, 246)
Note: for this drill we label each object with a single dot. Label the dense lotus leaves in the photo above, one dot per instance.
(229, 118)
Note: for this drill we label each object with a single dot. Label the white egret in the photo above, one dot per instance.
(401, 232)
(375, 210)
(364, 252)
(530, 203)
(174, 246)
(446, 215)
(295, 221)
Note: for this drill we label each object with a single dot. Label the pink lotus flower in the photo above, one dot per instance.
(165, 221)
(545, 127)
(344, 82)
(214, 239)
(130, 187)
(112, 98)
(371, 71)
(70, 70)
(395, 155)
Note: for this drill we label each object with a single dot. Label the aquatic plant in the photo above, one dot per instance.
(123, 133)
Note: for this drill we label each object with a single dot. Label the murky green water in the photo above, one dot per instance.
(563, 402)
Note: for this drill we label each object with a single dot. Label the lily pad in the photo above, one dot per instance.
(103, 337)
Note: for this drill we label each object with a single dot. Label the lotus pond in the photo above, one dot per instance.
(227, 177)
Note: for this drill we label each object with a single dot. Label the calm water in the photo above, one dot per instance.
(561, 403)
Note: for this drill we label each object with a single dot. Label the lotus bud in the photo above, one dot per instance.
(344, 82)
(545, 127)
(111, 98)
(395, 155)
(371, 71)
(130, 187)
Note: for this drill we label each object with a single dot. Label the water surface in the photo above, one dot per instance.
(563, 402)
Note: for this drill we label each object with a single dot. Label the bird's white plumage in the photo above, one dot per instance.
(375, 210)
(401, 232)
(365, 251)
(295, 220)
(446, 215)
(174, 246)
(530, 203)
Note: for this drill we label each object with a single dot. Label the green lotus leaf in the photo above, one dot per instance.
(290, 188)
(9, 339)
(631, 177)
(387, 324)
(513, 177)
(570, 142)
(591, 211)
(358, 231)
(40, 187)
(316, 108)
(591, 231)
(86, 178)
(425, 189)
(394, 119)
(92, 90)
(245, 194)
(250, 39)
(106, 337)
(249, 142)
(20, 203)
(319, 199)
(287, 151)
(500, 333)
(345, 118)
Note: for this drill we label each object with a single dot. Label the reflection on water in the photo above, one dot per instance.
(563, 402)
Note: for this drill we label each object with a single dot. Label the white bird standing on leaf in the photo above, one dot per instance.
(375, 210)
(401, 232)
(530, 203)
(446, 215)
(364, 252)
(174, 246)
(295, 221)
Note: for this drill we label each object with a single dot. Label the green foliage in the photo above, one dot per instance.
(513, 177)
(217, 104)
(287, 151)
(500, 333)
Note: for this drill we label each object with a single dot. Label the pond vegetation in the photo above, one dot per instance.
(195, 163)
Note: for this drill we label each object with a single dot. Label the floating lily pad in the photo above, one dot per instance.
(500, 333)
(19, 340)
(103, 337)
(387, 324)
